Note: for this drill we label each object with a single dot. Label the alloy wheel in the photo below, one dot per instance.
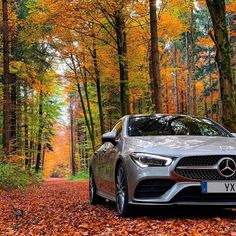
(120, 193)
(122, 205)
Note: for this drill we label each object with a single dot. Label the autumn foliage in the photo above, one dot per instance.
(92, 60)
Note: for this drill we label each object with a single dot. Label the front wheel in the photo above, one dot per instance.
(122, 205)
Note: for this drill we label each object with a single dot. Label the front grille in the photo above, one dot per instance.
(201, 160)
(183, 168)
(194, 193)
(152, 188)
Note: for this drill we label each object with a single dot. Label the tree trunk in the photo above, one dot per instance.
(188, 80)
(176, 85)
(205, 98)
(210, 82)
(123, 62)
(82, 101)
(167, 98)
(182, 104)
(191, 65)
(85, 115)
(232, 39)
(89, 107)
(191, 81)
(73, 162)
(223, 59)
(6, 81)
(32, 142)
(40, 133)
(43, 156)
(98, 86)
(155, 60)
(26, 130)
(13, 100)
(19, 121)
(32, 149)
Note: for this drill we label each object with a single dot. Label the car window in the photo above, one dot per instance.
(173, 125)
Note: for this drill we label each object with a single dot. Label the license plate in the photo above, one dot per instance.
(219, 187)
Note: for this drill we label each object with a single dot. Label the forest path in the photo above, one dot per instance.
(61, 207)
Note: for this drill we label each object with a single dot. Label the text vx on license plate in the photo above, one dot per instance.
(219, 187)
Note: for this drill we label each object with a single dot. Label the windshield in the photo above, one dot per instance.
(173, 125)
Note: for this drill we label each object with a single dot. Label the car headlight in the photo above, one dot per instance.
(145, 159)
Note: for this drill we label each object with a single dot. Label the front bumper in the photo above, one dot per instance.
(183, 191)
(188, 194)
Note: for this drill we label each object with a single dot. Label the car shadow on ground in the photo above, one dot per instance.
(180, 212)
(186, 212)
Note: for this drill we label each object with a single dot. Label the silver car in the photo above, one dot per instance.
(161, 160)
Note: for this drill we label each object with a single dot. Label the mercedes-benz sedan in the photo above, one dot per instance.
(165, 160)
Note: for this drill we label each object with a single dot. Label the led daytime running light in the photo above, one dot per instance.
(145, 159)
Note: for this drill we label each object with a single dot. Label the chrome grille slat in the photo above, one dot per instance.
(197, 167)
(201, 168)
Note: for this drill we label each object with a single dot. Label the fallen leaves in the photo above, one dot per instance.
(62, 208)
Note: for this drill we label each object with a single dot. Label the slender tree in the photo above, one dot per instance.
(26, 130)
(74, 68)
(116, 19)
(176, 85)
(72, 135)
(6, 80)
(98, 87)
(40, 132)
(120, 28)
(155, 60)
(190, 60)
(220, 37)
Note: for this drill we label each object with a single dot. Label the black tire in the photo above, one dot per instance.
(93, 197)
(122, 205)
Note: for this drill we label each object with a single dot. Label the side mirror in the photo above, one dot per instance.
(234, 134)
(109, 137)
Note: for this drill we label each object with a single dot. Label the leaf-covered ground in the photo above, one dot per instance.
(62, 208)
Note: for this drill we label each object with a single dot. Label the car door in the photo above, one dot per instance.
(112, 153)
(98, 164)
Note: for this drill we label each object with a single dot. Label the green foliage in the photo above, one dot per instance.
(82, 175)
(15, 177)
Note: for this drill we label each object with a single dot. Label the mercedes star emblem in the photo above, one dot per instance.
(227, 167)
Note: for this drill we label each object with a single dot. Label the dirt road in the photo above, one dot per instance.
(59, 207)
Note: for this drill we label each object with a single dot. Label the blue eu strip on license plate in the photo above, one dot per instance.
(204, 187)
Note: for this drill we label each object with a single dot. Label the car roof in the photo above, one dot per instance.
(160, 115)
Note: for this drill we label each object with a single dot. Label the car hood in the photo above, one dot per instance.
(179, 146)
